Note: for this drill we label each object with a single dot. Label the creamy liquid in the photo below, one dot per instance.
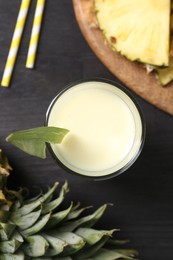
(105, 128)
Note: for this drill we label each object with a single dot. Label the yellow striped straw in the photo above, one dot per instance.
(16, 39)
(35, 34)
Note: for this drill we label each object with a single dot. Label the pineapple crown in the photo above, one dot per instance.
(37, 229)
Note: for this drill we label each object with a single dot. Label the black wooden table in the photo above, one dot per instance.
(142, 196)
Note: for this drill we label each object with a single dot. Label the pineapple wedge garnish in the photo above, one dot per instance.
(138, 29)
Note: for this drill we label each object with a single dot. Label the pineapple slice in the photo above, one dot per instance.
(138, 29)
(165, 75)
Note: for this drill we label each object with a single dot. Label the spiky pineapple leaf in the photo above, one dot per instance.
(55, 203)
(58, 217)
(107, 254)
(88, 252)
(36, 227)
(17, 256)
(28, 220)
(89, 220)
(10, 246)
(33, 141)
(92, 236)
(6, 230)
(75, 207)
(28, 208)
(73, 241)
(76, 213)
(36, 246)
(127, 252)
(56, 245)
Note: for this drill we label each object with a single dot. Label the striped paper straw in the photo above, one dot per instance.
(16, 39)
(35, 34)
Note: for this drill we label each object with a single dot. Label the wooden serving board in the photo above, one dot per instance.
(132, 74)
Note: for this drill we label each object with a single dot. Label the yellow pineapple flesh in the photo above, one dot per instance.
(138, 29)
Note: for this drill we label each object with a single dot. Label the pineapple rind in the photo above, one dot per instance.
(165, 75)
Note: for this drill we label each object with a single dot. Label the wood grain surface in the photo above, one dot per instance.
(142, 197)
(132, 74)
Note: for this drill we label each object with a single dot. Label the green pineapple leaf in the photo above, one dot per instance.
(28, 220)
(88, 221)
(56, 245)
(33, 141)
(28, 208)
(36, 227)
(37, 246)
(92, 236)
(18, 256)
(58, 217)
(50, 206)
(6, 230)
(89, 252)
(74, 243)
(76, 213)
(107, 254)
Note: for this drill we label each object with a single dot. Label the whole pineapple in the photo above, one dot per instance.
(35, 229)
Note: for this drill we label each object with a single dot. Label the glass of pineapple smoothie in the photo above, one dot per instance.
(106, 128)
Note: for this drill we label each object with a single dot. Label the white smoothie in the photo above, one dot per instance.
(105, 128)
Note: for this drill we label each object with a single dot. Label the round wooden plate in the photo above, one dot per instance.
(130, 73)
